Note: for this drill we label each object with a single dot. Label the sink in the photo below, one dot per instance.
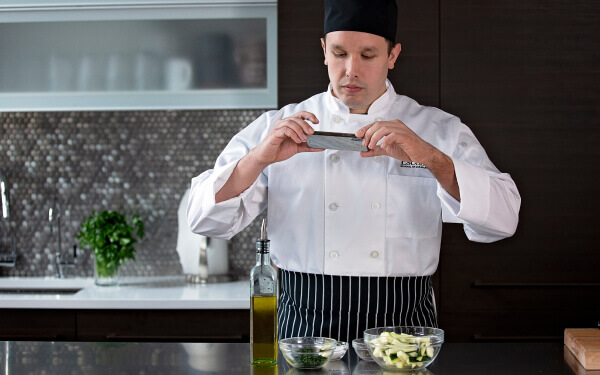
(43, 285)
(38, 291)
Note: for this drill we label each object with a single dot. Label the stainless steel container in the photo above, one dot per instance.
(203, 259)
(213, 263)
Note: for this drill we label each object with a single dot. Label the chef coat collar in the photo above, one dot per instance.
(380, 104)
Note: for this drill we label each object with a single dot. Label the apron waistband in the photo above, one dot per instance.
(353, 293)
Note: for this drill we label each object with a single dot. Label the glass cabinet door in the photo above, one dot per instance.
(104, 56)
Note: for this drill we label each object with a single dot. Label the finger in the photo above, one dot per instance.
(286, 132)
(305, 148)
(390, 139)
(301, 126)
(305, 115)
(295, 125)
(361, 132)
(298, 123)
(373, 152)
(372, 128)
(377, 135)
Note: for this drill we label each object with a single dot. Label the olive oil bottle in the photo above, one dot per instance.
(263, 305)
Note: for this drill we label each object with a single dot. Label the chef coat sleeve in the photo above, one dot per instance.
(489, 200)
(226, 219)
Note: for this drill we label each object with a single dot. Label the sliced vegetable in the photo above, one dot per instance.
(403, 350)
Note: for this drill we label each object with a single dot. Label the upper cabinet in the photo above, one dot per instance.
(137, 55)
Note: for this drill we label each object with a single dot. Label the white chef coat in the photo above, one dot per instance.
(337, 213)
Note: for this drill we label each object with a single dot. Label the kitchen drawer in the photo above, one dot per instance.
(512, 274)
(164, 325)
(488, 296)
(37, 325)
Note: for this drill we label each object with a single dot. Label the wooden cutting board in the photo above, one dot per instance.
(584, 343)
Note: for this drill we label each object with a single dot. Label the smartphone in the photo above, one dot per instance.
(336, 141)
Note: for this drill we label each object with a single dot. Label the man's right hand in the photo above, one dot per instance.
(286, 139)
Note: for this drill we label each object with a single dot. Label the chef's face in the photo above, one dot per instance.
(358, 64)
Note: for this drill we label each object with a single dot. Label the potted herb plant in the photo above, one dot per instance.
(110, 236)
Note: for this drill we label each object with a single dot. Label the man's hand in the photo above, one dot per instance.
(286, 139)
(401, 143)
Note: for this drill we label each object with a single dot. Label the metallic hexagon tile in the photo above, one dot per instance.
(134, 162)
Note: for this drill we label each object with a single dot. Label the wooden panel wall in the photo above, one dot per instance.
(525, 76)
(302, 72)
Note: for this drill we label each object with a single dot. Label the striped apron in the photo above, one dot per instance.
(342, 307)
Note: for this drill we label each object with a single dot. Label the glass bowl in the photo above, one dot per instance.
(340, 350)
(307, 352)
(404, 348)
(361, 349)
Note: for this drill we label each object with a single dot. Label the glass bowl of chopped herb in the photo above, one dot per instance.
(404, 348)
(307, 352)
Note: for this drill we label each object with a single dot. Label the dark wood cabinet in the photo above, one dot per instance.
(523, 75)
(125, 325)
(164, 325)
(38, 325)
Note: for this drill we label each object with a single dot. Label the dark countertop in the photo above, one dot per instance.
(28, 357)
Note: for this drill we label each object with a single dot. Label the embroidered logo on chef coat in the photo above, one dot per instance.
(411, 164)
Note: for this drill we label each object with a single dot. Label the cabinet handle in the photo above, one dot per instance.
(117, 336)
(199, 4)
(488, 284)
(480, 337)
(32, 337)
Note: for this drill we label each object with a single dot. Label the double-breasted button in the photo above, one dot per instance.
(334, 254)
(377, 159)
(375, 206)
(337, 119)
(334, 158)
(374, 254)
(333, 206)
(378, 118)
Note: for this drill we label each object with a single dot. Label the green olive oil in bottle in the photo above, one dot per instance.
(263, 305)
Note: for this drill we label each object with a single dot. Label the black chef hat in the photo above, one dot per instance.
(377, 17)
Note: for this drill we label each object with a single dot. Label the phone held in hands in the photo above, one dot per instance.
(336, 141)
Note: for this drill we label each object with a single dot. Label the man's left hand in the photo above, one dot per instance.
(399, 141)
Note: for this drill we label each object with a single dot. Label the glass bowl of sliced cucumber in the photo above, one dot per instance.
(404, 348)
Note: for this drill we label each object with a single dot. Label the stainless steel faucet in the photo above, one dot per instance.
(5, 198)
(55, 213)
(7, 259)
(62, 264)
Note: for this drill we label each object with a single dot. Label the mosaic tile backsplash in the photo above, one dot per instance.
(138, 162)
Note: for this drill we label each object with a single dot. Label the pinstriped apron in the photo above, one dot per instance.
(342, 307)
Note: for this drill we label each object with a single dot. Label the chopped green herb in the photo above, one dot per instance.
(309, 360)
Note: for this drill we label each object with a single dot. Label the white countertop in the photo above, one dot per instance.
(166, 293)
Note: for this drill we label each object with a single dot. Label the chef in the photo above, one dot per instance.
(356, 235)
